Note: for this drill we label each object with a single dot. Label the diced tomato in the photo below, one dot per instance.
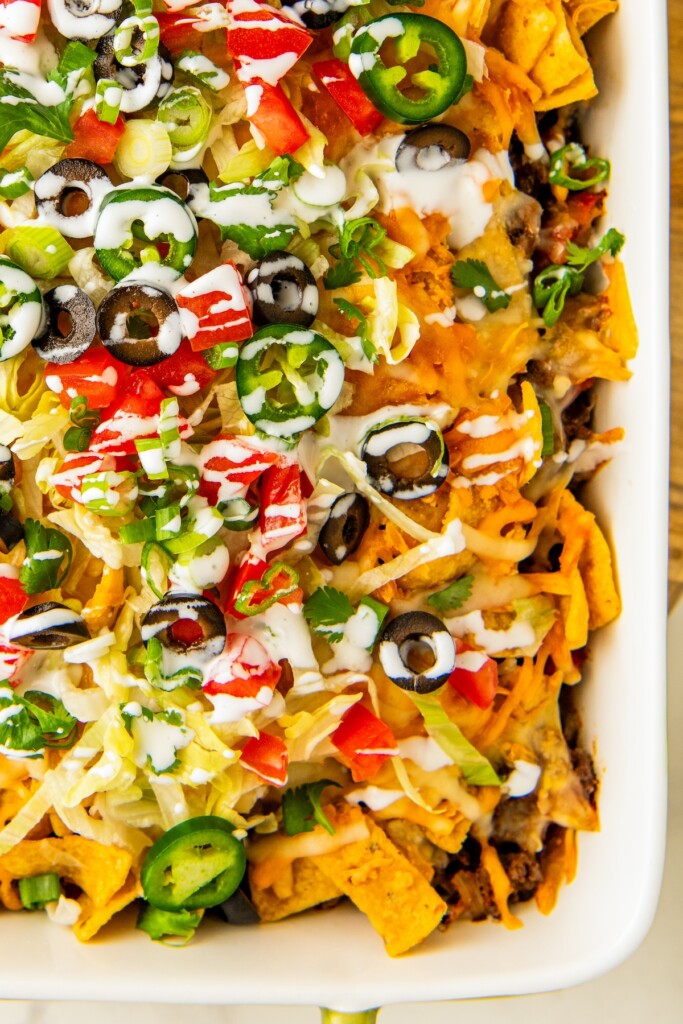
(475, 676)
(12, 660)
(263, 42)
(183, 373)
(229, 465)
(266, 756)
(344, 89)
(69, 477)
(19, 19)
(244, 671)
(282, 515)
(178, 31)
(96, 375)
(274, 117)
(12, 597)
(134, 415)
(94, 139)
(365, 741)
(215, 308)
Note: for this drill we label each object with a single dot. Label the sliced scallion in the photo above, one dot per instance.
(39, 250)
(186, 116)
(35, 892)
(15, 183)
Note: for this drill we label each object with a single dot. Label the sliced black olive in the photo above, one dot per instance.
(317, 14)
(408, 642)
(239, 909)
(184, 182)
(139, 324)
(69, 194)
(432, 147)
(283, 290)
(48, 626)
(11, 531)
(70, 327)
(344, 527)
(395, 454)
(186, 624)
(84, 19)
(142, 84)
(7, 470)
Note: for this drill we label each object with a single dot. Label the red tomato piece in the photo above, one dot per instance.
(335, 76)
(365, 741)
(229, 465)
(183, 373)
(12, 597)
(12, 660)
(178, 31)
(263, 42)
(271, 114)
(283, 512)
(245, 672)
(215, 308)
(475, 676)
(134, 415)
(94, 139)
(96, 375)
(266, 756)
(69, 477)
(19, 19)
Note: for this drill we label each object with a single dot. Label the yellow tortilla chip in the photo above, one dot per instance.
(575, 613)
(100, 871)
(524, 29)
(582, 88)
(586, 13)
(563, 59)
(387, 888)
(585, 548)
(307, 885)
(93, 917)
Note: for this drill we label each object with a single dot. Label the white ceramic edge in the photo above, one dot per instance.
(335, 959)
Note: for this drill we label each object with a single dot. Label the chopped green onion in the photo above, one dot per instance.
(142, 7)
(155, 563)
(151, 452)
(108, 96)
(222, 356)
(144, 148)
(77, 439)
(39, 250)
(168, 522)
(163, 925)
(238, 514)
(202, 70)
(572, 158)
(101, 494)
(35, 892)
(129, 49)
(137, 531)
(187, 117)
(551, 288)
(155, 675)
(169, 427)
(199, 530)
(5, 502)
(15, 183)
(81, 416)
(547, 429)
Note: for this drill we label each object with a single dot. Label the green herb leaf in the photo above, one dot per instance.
(34, 721)
(327, 609)
(547, 429)
(22, 112)
(452, 596)
(301, 809)
(75, 57)
(355, 313)
(581, 258)
(476, 276)
(358, 240)
(48, 558)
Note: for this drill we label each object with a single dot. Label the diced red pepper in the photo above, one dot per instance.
(344, 89)
(12, 660)
(96, 375)
(183, 373)
(282, 515)
(178, 31)
(475, 676)
(365, 741)
(12, 597)
(229, 465)
(274, 117)
(263, 42)
(135, 415)
(94, 139)
(244, 671)
(19, 19)
(69, 477)
(215, 308)
(266, 756)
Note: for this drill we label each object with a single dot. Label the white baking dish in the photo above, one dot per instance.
(336, 959)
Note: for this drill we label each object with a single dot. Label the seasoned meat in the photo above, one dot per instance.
(577, 417)
(583, 765)
(522, 219)
(524, 872)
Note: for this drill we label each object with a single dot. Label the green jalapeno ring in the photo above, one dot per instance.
(573, 157)
(442, 85)
(153, 214)
(196, 864)
(300, 382)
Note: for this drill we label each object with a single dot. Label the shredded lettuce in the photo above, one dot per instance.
(476, 769)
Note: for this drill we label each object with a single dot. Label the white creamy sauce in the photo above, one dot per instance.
(158, 742)
(493, 641)
(522, 780)
(285, 634)
(163, 216)
(374, 798)
(424, 752)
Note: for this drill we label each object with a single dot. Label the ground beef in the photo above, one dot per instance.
(577, 418)
(524, 872)
(583, 766)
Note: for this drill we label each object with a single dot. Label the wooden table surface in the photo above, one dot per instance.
(676, 492)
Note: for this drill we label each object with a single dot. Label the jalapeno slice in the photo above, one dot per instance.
(394, 453)
(287, 378)
(147, 214)
(196, 864)
(427, 92)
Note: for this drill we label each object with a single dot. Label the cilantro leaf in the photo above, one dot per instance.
(582, 258)
(22, 112)
(358, 240)
(476, 276)
(282, 171)
(301, 808)
(355, 313)
(34, 721)
(326, 609)
(48, 558)
(556, 282)
(453, 596)
(341, 275)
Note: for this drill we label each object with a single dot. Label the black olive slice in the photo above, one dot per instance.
(139, 324)
(239, 909)
(283, 290)
(184, 182)
(142, 84)
(48, 626)
(11, 531)
(69, 194)
(344, 527)
(392, 445)
(71, 325)
(317, 14)
(7, 471)
(186, 624)
(431, 148)
(400, 646)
